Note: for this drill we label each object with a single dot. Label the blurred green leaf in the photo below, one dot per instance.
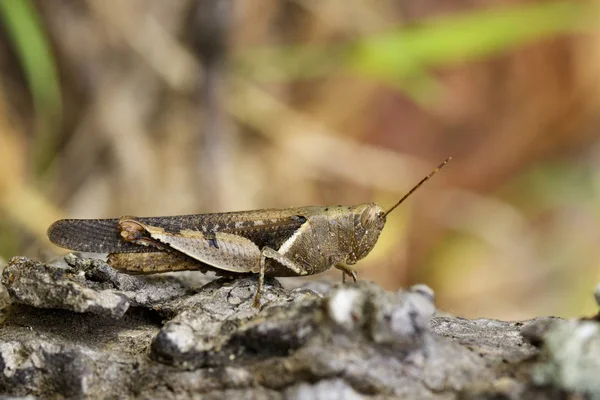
(456, 39)
(25, 30)
(403, 58)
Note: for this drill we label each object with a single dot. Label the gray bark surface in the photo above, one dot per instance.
(82, 330)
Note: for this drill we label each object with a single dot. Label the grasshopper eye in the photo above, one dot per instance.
(369, 216)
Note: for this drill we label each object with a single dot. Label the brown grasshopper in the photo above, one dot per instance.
(272, 242)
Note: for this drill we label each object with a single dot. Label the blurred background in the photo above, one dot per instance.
(152, 107)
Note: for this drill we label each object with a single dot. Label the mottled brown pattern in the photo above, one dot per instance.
(308, 239)
(233, 254)
(263, 227)
(289, 242)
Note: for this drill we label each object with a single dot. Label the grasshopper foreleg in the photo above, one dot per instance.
(347, 270)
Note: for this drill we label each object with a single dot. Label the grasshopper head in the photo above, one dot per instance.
(370, 220)
(368, 223)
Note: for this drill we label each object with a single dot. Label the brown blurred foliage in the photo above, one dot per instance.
(163, 113)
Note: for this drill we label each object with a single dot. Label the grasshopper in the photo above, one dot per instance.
(272, 242)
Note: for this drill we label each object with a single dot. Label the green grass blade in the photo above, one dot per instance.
(24, 27)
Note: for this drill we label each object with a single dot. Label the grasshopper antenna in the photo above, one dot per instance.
(411, 191)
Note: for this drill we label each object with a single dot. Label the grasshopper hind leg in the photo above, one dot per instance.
(261, 281)
(281, 259)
